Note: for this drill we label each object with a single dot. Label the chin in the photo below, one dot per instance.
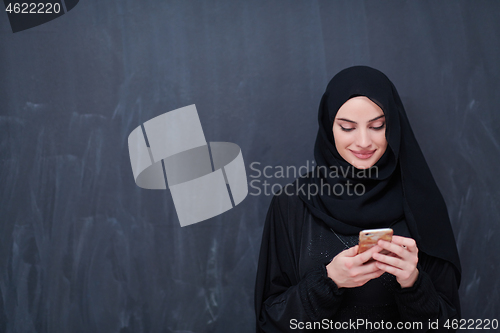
(363, 165)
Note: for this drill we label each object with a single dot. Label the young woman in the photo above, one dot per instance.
(370, 174)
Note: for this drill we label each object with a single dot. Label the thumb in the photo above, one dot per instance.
(351, 252)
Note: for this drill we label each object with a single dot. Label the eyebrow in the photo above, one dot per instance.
(350, 121)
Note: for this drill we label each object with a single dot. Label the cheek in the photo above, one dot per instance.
(381, 141)
(342, 139)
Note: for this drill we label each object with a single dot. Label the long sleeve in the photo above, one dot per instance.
(281, 296)
(292, 285)
(434, 296)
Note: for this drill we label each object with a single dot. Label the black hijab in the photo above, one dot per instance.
(399, 186)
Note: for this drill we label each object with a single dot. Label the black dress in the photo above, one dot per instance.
(293, 292)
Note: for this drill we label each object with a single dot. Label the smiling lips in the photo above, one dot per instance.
(363, 154)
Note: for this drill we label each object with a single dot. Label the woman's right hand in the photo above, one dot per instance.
(348, 269)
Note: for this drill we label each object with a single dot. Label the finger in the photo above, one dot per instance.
(372, 276)
(389, 269)
(350, 252)
(353, 251)
(389, 260)
(394, 248)
(364, 279)
(366, 269)
(405, 242)
(365, 256)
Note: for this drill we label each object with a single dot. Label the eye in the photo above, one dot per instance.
(379, 127)
(346, 129)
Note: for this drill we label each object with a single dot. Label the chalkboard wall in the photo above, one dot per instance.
(83, 249)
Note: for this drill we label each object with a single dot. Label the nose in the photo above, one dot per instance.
(363, 140)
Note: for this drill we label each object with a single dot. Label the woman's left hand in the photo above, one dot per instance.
(401, 262)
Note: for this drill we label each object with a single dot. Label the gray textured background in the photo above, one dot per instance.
(83, 249)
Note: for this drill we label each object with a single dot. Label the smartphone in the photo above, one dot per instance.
(369, 238)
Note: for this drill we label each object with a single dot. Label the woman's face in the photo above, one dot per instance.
(359, 132)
